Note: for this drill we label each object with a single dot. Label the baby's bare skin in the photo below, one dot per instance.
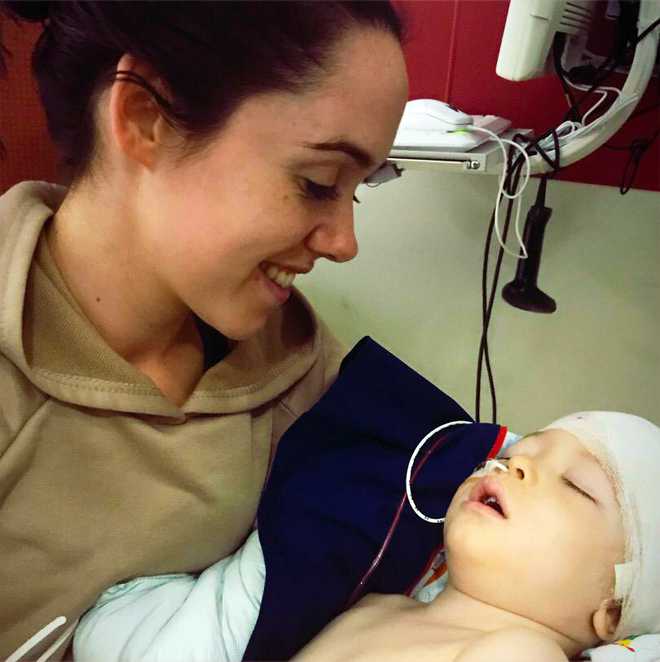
(388, 628)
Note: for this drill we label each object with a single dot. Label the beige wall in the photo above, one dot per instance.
(415, 288)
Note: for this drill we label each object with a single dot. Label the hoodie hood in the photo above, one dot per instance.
(47, 336)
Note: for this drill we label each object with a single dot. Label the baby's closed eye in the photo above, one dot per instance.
(574, 486)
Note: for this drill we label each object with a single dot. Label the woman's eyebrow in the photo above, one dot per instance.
(359, 155)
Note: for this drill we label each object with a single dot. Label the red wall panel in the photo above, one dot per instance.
(451, 55)
(30, 152)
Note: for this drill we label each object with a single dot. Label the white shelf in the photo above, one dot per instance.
(486, 159)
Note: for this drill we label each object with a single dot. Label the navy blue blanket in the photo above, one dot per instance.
(335, 485)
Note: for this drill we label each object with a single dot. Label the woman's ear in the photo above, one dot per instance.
(135, 121)
(606, 619)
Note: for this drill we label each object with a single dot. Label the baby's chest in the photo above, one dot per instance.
(389, 640)
(409, 644)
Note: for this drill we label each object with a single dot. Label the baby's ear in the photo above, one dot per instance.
(606, 619)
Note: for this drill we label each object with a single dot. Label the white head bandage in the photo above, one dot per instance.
(628, 447)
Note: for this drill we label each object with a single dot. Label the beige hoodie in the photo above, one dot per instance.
(101, 477)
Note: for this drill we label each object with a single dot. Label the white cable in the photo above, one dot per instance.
(44, 657)
(410, 466)
(604, 89)
(575, 128)
(603, 96)
(616, 107)
(565, 132)
(37, 638)
(501, 190)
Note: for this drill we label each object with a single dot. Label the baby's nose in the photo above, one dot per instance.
(522, 467)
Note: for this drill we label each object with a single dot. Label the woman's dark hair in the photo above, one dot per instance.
(210, 55)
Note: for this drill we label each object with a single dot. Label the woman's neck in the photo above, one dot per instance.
(95, 245)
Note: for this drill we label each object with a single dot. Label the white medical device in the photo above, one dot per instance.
(530, 29)
(433, 114)
(431, 129)
(411, 141)
(529, 32)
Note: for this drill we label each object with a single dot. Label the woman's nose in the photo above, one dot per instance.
(335, 238)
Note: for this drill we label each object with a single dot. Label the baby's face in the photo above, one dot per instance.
(552, 557)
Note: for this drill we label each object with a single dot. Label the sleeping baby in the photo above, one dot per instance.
(549, 551)
(555, 553)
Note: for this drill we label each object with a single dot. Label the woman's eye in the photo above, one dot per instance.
(575, 487)
(320, 192)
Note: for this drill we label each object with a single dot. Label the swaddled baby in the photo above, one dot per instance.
(566, 557)
(555, 551)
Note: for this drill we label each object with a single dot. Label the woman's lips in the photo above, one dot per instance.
(280, 294)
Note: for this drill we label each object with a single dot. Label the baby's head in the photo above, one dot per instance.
(579, 549)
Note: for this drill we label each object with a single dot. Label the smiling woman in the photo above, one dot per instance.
(152, 340)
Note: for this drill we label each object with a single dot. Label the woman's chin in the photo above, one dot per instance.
(245, 329)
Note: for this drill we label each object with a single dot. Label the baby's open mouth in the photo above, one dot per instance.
(489, 492)
(493, 503)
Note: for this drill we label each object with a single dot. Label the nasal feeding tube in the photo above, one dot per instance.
(488, 466)
(408, 495)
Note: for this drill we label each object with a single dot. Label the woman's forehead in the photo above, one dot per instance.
(361, 101)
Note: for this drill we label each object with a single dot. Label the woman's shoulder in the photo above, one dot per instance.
(21, 198)
(19, 400)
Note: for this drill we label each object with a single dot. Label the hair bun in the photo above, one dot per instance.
(28, 11)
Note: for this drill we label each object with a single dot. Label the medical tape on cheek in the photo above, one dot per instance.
(624, 573)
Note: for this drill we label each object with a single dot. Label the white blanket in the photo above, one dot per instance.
(205, 618)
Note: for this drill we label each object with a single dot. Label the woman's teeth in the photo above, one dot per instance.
(280, 276)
